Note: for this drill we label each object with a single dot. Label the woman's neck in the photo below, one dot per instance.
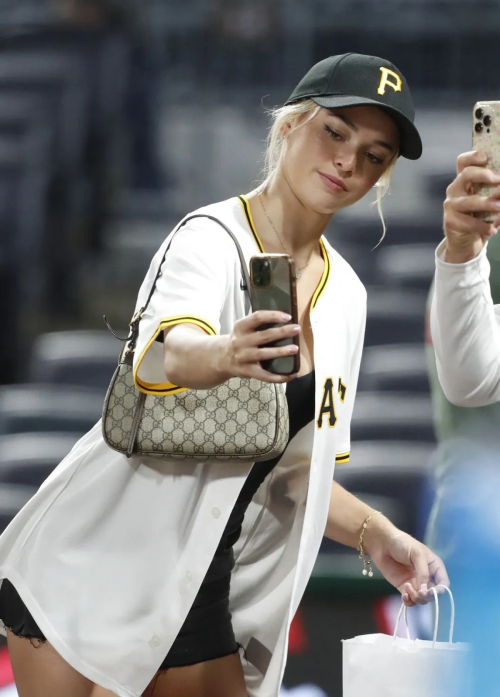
(284, 223)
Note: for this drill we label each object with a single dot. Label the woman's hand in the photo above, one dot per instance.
(407, 564)
(242, 354)
(466, 235)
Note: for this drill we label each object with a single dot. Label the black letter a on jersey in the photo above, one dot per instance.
(327, 405)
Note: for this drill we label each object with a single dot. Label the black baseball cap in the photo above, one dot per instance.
(353, 79)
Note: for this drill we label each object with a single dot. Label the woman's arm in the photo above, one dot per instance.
(465, 328)
(195, 360)
(464, 324)
(346, 515)
(406, 563)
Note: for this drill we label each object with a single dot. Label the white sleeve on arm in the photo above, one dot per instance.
(465, 328)
(192, 288)
(346, 393)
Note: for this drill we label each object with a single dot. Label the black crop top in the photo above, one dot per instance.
(300, 399)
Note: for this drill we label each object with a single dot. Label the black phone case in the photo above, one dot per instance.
(280, 295)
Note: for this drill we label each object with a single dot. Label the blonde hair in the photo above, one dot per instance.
(274, 146)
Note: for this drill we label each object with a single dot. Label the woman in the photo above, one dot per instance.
(119, 570)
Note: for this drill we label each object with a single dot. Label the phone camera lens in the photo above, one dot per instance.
(479, 127)
(261, 274)
(487, 120)
(479, 113)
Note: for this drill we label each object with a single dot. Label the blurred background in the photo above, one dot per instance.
(118, 117)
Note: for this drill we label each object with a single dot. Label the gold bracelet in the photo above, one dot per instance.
(367, 562)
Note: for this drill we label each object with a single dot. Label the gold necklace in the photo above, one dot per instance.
(298, 271)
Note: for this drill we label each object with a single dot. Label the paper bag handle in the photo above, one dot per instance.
(436, 618)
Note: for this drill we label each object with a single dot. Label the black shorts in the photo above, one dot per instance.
(207, 632)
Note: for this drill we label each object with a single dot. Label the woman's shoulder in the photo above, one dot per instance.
(230, 211)
(202, 226)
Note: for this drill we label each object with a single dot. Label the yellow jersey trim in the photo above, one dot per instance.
(342, 458)
(165, 388)
(248, 214)
(324, 253)
(324, 278)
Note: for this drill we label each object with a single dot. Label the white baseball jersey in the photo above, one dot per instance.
(465, 328)
(110, 553)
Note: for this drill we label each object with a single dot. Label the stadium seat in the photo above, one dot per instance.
(59, 83)
(384, 416)
(395, 316)
(398, 232)
(84, 357)
(406, 265)
(397, 367)
(39, 408)
(29, 458)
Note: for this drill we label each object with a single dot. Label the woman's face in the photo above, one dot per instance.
(338, 156)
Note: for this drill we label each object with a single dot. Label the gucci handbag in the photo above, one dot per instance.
(242, 419)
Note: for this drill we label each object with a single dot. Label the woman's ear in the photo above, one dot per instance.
(286, 128)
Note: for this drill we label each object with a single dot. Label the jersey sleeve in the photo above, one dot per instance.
(192, 288)
(345, 392)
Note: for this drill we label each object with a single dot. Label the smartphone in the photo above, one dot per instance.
(486, 139)
(273, 287)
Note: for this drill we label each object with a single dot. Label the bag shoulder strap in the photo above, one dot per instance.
(245, 281)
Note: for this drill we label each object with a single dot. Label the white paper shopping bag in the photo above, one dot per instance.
(378, 665)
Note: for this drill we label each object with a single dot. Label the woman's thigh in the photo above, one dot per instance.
(221, 677)
(39, 671)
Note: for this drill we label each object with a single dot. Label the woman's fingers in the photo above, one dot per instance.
(256, 371)
(466, 224)
(475, 203)
(472, 176)
(256, 355)
(260, 317)
(466, 234)
(421, 566)
(438, 572)
(248, 341)
(412, 596)
(266, 336)
(468, 159)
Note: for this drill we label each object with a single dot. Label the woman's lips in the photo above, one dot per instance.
(332, 183)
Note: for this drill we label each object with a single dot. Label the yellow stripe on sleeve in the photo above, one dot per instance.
(342, 459)
(165, 388)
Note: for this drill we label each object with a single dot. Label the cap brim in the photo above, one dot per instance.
(411, 143)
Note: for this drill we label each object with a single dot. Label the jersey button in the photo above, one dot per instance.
(154, 642)
(216, 512)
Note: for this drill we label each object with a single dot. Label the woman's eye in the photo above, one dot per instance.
(373, 158)
(332, 134)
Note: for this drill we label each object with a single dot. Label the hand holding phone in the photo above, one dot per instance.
(472, 204)
(486, 140)
(273, 288)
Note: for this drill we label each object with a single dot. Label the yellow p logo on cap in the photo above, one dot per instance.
(384, 81)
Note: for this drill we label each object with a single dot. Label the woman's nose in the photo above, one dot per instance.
(346, 161)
